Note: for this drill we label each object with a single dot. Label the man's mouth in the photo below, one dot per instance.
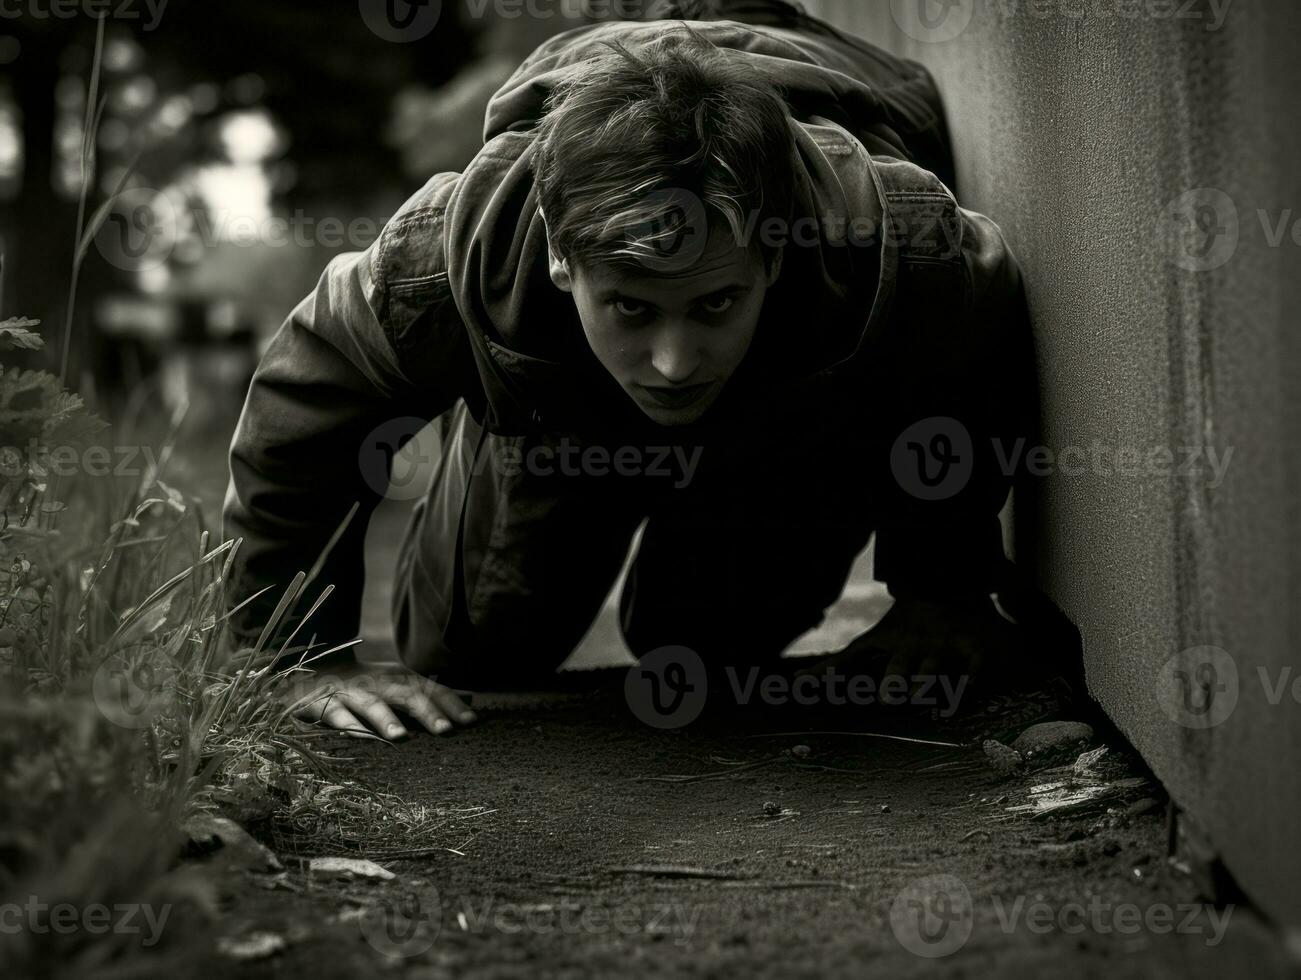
(676, 396)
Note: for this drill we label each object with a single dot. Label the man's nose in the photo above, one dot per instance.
(675, 355)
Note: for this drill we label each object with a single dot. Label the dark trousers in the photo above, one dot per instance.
(509, 557)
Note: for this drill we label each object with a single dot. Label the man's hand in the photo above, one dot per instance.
(359, 700)
(920, 641)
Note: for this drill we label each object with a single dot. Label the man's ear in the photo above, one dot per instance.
(775, 267)
(558, 267)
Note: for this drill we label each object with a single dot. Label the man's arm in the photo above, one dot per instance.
(958, 430)
(963, 416)
(378, 340)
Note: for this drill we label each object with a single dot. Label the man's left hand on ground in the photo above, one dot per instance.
(920, 640)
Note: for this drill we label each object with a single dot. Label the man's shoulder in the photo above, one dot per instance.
(409, 251)
(916, 214)
(846, 177)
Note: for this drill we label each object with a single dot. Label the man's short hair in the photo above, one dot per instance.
(627, 138)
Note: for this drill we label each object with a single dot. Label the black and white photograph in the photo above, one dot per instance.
(650, 488)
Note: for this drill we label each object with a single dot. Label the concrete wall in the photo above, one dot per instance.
(1076, 128)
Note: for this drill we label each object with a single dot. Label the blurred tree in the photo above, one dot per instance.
(322, 73)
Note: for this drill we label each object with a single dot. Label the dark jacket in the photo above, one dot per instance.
(922, 318)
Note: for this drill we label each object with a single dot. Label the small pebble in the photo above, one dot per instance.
(252, 946)
(1140, 807)
(771, 809)
(801, 751)
(1004, 759)
(885, 807)
(1050, 740)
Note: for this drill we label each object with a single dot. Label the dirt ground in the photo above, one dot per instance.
(588, 864)
(594, 857)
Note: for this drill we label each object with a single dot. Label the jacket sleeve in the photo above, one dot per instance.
(963, 414)
(376, 345)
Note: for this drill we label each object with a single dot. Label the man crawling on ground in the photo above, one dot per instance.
(705, 279)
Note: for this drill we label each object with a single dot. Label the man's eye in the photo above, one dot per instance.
(719, 305)
(627, 307)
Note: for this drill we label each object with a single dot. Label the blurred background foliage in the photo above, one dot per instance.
(218, 120)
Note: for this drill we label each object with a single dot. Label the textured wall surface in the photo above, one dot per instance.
(1159, 325)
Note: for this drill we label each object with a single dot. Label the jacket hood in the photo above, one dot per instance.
(821, 72)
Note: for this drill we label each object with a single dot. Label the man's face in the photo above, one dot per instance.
(672, 341)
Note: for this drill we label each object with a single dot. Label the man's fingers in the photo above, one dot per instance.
(452, 705)
(377, 714)
(433, 705)
(312, 705)
(337, 716)
(334, 708)
(413, 694)
(365, 700)
(421, 706)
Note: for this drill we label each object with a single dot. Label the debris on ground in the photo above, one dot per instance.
(251, 946)
(277, 882)
(1053, 741)
(676, 871)
(771, 809)
(1088, 763)
(733, 769)
(885, 807)
(1004, 759)
(348, 868)
(1144, 806)
(1093, 783)
(801, 751)
(207, 833)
